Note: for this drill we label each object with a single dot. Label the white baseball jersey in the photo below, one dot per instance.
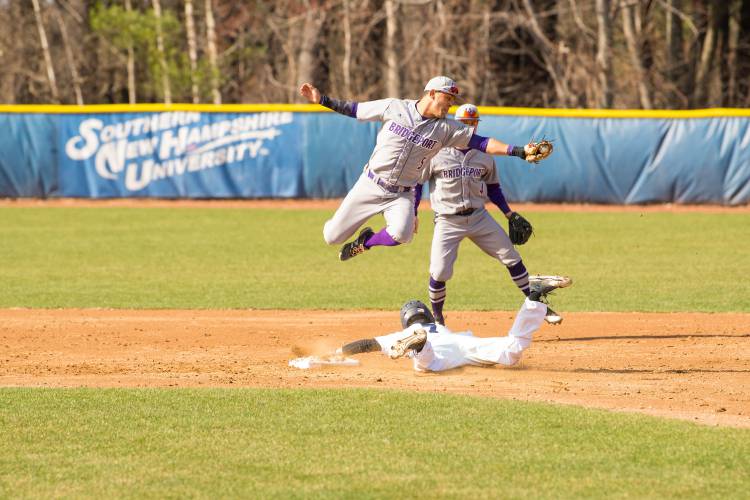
(445, 350)
(407, 141)
(458, 180)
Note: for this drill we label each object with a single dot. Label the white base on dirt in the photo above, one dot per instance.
(316, 361)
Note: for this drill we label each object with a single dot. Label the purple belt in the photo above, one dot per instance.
(388, 187)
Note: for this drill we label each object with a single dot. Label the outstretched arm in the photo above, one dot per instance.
(313, 95)
(496, 147)
(360, 346)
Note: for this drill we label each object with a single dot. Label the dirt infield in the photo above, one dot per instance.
(689, 366)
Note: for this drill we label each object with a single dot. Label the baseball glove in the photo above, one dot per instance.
(519, 229)
(538, 151)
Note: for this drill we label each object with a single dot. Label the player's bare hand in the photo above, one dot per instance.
(310, 92)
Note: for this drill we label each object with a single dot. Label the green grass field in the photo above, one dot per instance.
(245, 258)
(354, 443)
(351, 443)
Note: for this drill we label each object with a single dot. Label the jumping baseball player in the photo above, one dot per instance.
(461, 182)
(413, 132)
(433, 347)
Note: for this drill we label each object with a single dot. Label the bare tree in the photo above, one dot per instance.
(69, 59)
(313, 19)
(45, 51)
(192, 50)
(392, 86)
(735, 16)
(130, 62)
(604, 52)
(166, 88)
(212, 56)
(628, 29)
(347, 61)
(549, 53)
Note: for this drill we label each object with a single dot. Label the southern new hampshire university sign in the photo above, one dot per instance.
(176, 154)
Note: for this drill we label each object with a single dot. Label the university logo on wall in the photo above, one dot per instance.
(169, 154)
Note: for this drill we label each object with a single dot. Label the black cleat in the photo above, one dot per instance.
(540, 286)
(356, 247)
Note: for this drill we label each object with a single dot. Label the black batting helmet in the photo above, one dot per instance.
(415, 311)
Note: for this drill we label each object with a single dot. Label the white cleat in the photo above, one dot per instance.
(415, 341)
(552, 317)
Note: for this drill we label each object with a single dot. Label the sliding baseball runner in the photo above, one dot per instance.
(433, 347)
(461, 182)
(413, 132)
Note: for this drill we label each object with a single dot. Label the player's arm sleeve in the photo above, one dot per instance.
(372, 111)
(347, 108)
(459, 135)
(360, 346)
(496, 196)
(479, 142)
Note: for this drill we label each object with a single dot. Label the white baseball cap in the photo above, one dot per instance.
(443, 84)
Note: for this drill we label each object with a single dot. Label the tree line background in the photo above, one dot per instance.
(541, 53)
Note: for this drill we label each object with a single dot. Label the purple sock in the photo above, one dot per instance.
(381, 238)
(520, 277)
(437, 297)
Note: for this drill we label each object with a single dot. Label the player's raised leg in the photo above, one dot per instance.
(362, 202)
(398, 210)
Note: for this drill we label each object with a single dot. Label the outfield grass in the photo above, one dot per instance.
(350, 443)
(257, 258)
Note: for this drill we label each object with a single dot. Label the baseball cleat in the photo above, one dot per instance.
(540, 286)
(414, 342)
(552, 317)
(356, 247)
(549, 282)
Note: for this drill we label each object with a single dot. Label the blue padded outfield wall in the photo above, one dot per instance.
(294, 151)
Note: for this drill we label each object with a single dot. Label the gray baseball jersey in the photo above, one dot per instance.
(408, 141)
(458, 180)
(405, 145)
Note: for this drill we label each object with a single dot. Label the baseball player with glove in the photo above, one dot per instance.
(413, 132)
(461, 182)
(433, 347)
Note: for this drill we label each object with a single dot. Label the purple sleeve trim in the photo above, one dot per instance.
(347, 108)
(479, 142)
(417, 197)
(495, 194)
(509, 151)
